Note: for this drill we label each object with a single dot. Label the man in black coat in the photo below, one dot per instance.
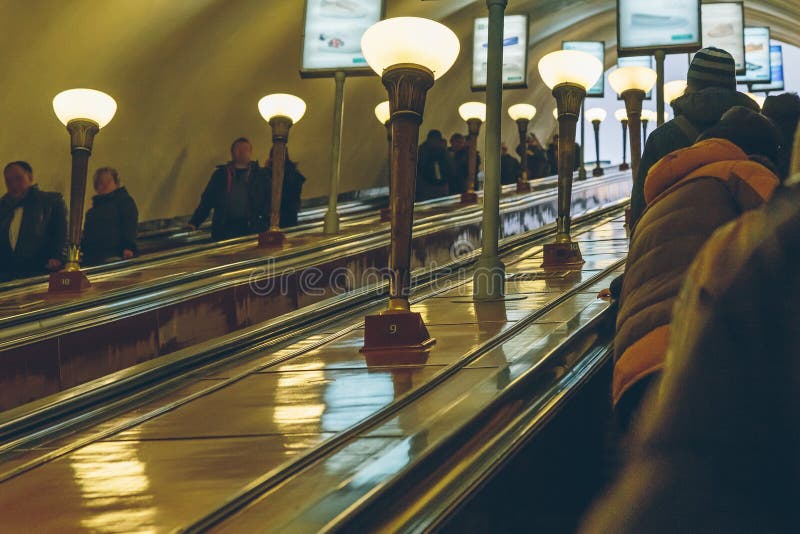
(33, 225)
(237, 193)
(111, 222)
(710, 92)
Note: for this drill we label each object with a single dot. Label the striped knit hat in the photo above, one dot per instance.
(712, 67)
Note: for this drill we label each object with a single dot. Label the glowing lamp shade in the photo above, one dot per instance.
(472, 110)
(282, 105)
(627, 78)
(86, 104)
(621, 114)
(649, 115)
(410, 40)
(674, 90)
(759, 99)
(570, 66)
(521, 112)
(595, 114)
(382, 112)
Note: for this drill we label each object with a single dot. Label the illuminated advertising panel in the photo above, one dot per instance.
(515, 52)
(332, 36)
(776, 65)
(723, 27)
(756, 55)
(644, 26)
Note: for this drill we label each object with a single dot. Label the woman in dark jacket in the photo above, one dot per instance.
(111, 222)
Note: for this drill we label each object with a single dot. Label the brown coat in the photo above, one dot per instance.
(689, 193)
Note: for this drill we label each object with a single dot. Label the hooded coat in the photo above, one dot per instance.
(110, 226)
(694, 112)
(689, 194)
(719, 452)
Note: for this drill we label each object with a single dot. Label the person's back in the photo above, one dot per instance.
(689, 193)
(710, 92)
(719, 449)
(459, 157)
(784, 111)
(434, 168)
(111, 223)
(33, 225)
(510, 168)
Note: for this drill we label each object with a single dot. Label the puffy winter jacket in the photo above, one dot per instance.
(689, 194)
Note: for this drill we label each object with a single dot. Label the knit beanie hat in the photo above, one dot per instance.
(712, 67)
(752, 132)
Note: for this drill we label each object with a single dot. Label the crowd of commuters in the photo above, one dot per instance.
(706, 380)
(444, 170)
(33, 223)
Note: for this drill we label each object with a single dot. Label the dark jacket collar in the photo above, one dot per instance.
(705, 107)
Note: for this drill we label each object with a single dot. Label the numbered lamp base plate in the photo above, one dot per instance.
(271, 239)
(523, 187)
(386, 214)
(469, 198)
(395, 335)
(68, 282)
(563, 256)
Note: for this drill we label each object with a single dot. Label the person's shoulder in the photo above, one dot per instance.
(48, 196)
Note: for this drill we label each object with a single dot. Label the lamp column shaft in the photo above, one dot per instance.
(660, 57)
(596, 126)
(522, 126)
(624, 145)
(407, 87)
(386, 213)
(474, 126)
(489, 278)
(633, 106)
(80, 167)
(582, 166)
(331, 225)
(280, 134)
(568, 99)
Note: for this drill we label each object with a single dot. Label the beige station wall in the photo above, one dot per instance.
(187, 75)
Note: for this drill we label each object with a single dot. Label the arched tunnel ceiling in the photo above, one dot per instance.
(187, 76)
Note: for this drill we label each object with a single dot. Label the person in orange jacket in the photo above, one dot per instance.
(689, 194)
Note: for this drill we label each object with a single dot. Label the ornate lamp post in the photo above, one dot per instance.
(281, 111)
(383, 115)
(84, 112)
(633, 83)
(522, 114)
(568, 73)
(673, 90)
(596, 116)
(622, 116)
(474, 114)
(409, 53)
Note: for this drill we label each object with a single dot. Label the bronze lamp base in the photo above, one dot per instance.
(469, 198)
(395, 332)
(68, 282)
(523, 187)
(562, 255)
(271, 238)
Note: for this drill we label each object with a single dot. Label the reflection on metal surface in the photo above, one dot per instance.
(293, 409)
(115, 488)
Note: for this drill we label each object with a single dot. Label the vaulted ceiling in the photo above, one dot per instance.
(187, 76)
